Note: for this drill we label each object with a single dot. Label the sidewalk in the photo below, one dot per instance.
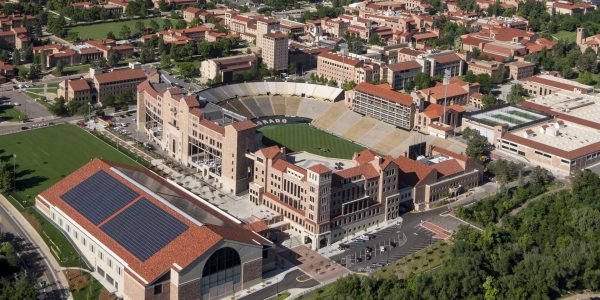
(37, 239)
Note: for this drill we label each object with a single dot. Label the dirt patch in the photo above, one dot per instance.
(105, 295)
(77, 280)
(33, 221)
(303, 278)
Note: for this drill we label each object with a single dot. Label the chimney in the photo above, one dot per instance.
(430, 150)
(405, 154)
(282, 150)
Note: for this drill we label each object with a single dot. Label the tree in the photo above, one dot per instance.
(475, 52)
(125, 107)
(248, 51)
(374, 39)
(73, 106)
(140, 27)
(586, 78)
(516, 93)
(100, 113)
(423, 81)
(539, 175)
(58, 108)
(162, 5)
(38, 30)
(470, 77)
(16, 58)
(409, 86)
(126, 97)
(181, 24)
(489, 101)
(498, 76)
(125, 32)
(111, 36)
(165, 61)
(108, 100)
(292, 68)
(477, 147)
(244, 9)
(485, 83)
(113, 60)
(349, 85)
(155, 26)
(59, 70)
(143, 10)
(195, 22)
(167, 24)
(187, 69)
(34, 71)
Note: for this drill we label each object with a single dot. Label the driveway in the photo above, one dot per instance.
(288, 282)
(309, 261)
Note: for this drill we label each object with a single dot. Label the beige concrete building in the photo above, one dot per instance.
(382, 103)
(264, 26)
(520, 70)
(75, 90)
(346, 68)
(147, 238)
(117, 82)
(545, 84)
(398, 75)
(275, 50)
(326, 205)
(182, 129)
(211, 68)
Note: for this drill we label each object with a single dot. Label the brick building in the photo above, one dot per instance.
(382, 103)
(116, 82)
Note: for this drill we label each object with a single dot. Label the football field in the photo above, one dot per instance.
(301, 137)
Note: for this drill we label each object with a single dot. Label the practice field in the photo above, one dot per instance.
(99, 31)
(566, 35)
(300, 137)
(11, 114)
(47, 155)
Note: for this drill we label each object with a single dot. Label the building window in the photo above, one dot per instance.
(223, 266)
(158, 289)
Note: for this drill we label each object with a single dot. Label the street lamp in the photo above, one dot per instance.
(14, 173)
(277, 286)
(89, 115)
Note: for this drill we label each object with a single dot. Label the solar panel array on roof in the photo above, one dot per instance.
(99, 197)
(143, 228)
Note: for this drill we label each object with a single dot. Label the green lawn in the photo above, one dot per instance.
(47, 155)
(75, 69)
(36, 90)
(523, 115)
(99, 31)
(11, 113)
(300, 137)
(508, 119)
(32, 95)
(52, 85)
(566, 35)
(490, 121)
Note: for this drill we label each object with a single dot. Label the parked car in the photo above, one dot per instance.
(368, 257)
(24, 128)
(365, 237)
(378, 264)
(51, 123)
(358, 259)
(392, 245)
(134, 120)
(359, 240)
(17, 104)
(369, 249)
(343, 247)
(382, 248)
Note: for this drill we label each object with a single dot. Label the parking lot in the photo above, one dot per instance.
(407, 241)
(27, 105)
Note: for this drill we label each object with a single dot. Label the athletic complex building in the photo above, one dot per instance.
(214, 133)
(148, 238)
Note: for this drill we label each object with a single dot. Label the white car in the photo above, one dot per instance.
(102, 125)
(365, 237)
(17, 104)
(133, 120)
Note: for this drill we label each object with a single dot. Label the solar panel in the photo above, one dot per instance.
(143, 228)
(99, 197)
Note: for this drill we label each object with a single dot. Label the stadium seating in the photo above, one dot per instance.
(253, 107)
(291, 106)
(332, 114)
(265, 105)
(278, 105)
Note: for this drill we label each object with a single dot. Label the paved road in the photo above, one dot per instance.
(288, 282)
(35, 263)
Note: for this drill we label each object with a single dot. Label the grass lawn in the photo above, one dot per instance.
(32, 95)
(300, 137)
(566, 35)
(75, 69)
(52, 85)
(88, 286)
(423, 260)
(11, 114)
(99, 31)
(47, 155)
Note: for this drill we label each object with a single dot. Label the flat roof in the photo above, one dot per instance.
(511, 115)
(560, 83)
(583, 106)
(306, 160)
(570, 137)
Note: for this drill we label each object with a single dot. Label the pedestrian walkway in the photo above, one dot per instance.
(316, 265)
(37, 239)
(440, 233)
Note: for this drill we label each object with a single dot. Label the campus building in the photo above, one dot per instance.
(75, 90)
(399, 74)
(211, 68)
(347, 68)
(382, 103)
(275, 50)
(187, 130)
(116, 82)
(146, 237)
(542, 85)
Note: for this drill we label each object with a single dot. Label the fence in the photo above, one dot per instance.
(123, 150)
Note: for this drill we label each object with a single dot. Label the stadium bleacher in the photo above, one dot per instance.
(344, 123)
(278, 103)
(360, 128)
(291, 106)
(265, 105)
(332, 114)
(253, 107)
(238, 107)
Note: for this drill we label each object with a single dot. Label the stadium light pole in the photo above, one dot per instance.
(89, 115)
(447, 79)
(14, 172)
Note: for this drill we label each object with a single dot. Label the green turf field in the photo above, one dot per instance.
(99, 31)
(11, 114)
(300, 137)
(523, 115)
(508, 119)
(566, 35)
(47, 155)
(490, 121)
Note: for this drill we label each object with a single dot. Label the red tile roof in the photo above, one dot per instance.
(449, 153)
(556, 84)
(191, 101)
(339, 58)
(196, 112)
(448, 168)
(405, 66)
(213, 126)
(367, 171)
(178, 251)
(447, 58)
(244, 125)
(270, 152)
(319, 169)
(79, 85)
(365, 156)
(282, 165)
(384, 93)
(411, 171)
(257, 226)
(120, 76)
